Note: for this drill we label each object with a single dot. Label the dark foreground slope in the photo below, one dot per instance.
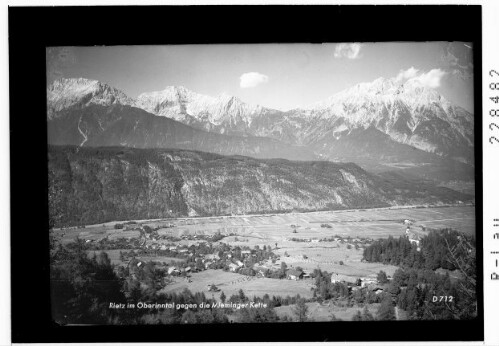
(91, 185)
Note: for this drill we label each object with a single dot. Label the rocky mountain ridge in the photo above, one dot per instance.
(93, 185)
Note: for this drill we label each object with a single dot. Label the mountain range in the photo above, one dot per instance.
(116, 125)
(382, 125)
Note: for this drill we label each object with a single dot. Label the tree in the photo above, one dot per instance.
(463, 256)
(357, 316)
(382, 278)
(393, 289)
(300, 310)
(258, 315)
(366, 314)
(81, 288)
(400, 277)
(199, 264)
(188, 317)
(284, 267)
(333, 317)
(223, 297)
(386, 310)
(242, 296)
(205, 316)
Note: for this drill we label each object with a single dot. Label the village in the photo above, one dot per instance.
(180, 257)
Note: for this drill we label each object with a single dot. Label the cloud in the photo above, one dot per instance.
(58, 60)
(457, 58)
(252, 79)
(407, 74)
(432, 78)
(347, 50)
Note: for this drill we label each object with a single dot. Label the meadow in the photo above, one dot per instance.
(231, 283)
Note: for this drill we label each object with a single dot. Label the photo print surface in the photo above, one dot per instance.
(247, 183)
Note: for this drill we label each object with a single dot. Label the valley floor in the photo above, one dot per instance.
(345, 233)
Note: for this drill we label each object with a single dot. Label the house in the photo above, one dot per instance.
(367, 281)
(245, 252)
(173, 270)
(293, 274)
(376, 288)
(260, 271)
(187, 269)
(163, 247)
(414, 239)
(172, 248)
(233, 267)
(207, 264)
(239, 263)
(335, 277)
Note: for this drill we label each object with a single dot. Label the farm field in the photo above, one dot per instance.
(341, 256)
(231, 283)
(373, 223)
(328, 259)
(323, 312)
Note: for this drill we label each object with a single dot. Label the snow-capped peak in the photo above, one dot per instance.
(381, 91)
(177, 102)
(79, 92)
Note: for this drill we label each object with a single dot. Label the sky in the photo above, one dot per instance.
(278, 76)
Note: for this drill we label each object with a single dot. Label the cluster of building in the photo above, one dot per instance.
(413, 237)
(358, 283)
(202, 255)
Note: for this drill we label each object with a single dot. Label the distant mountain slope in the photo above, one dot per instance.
(91, 185)
(377, 152)
(118, 125)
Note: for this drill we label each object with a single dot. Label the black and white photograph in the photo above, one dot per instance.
(249, 183)
(251, 173)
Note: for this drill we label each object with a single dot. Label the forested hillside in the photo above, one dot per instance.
(92, 185)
